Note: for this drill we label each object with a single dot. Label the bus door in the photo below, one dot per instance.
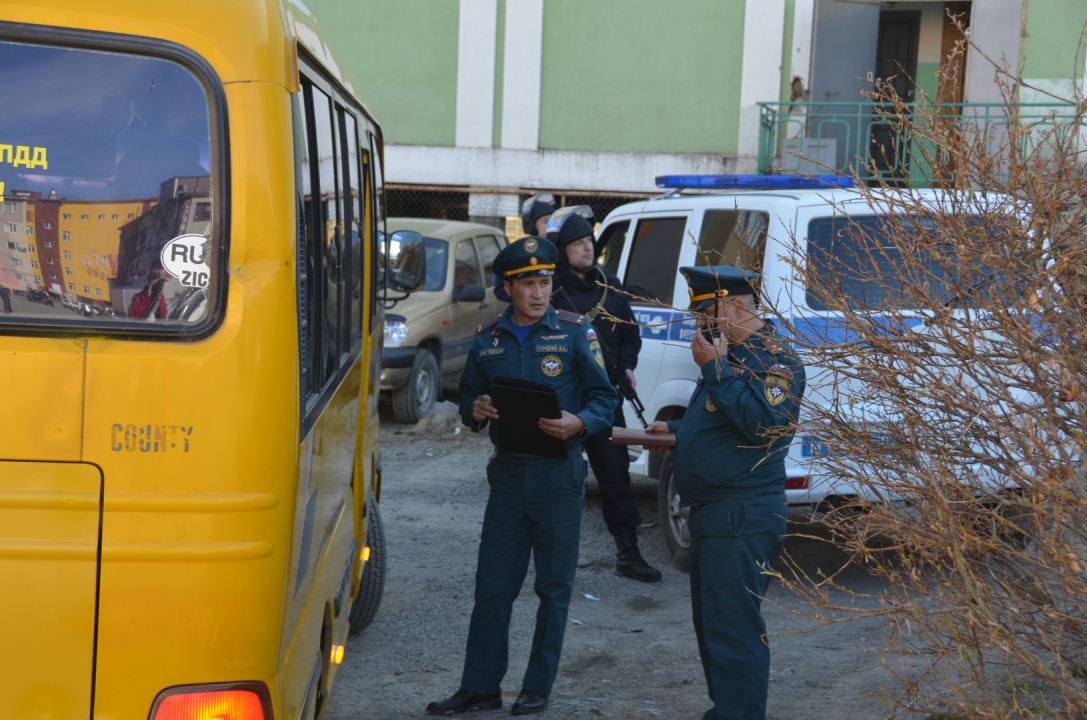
(48, 582)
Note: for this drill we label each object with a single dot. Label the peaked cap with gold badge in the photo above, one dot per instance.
(526, 257)
(706, 284)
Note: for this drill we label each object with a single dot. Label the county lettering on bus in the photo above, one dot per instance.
(150, 438)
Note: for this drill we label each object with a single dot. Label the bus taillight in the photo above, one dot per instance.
(201, 701)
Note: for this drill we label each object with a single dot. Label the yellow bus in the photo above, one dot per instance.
(190, 342)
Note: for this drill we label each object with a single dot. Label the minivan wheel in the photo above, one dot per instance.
(673, 518)
(372, 585)
(417, 396)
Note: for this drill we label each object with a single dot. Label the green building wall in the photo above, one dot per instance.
(405, 55)
(631, 77)
(1051, 40)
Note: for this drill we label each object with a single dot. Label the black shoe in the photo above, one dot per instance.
(629, 561)
(464, 701)
(529, 704)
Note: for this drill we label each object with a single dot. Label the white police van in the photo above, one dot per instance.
(736, 220)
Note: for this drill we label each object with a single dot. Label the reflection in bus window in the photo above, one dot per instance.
(328, 285)
(109, 154)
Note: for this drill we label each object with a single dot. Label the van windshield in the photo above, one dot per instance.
(109, 195)
(856, 257)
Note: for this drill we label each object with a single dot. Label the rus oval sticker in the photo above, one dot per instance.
(183, 258)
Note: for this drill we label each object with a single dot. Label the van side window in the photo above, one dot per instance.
(654, 259)
(733, 238)
(612, 240)
(488, 251)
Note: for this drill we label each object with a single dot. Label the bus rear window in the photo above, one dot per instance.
(110, 214)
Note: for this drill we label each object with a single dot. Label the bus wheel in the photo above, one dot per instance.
(673, 518)
(417, 396)
(372, 585)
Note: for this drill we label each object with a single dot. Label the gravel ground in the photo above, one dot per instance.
(629, 653)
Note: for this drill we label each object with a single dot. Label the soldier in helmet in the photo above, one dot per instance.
(582, 286)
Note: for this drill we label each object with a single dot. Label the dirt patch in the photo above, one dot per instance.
(629, 653)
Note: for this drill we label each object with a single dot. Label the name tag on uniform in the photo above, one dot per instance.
(491, 353)
(551, 349)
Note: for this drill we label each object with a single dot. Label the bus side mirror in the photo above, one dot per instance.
(407, 261)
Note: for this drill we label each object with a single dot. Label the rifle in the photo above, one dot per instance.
(616, 375)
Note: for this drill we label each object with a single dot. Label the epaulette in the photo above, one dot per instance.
(489, 324)
(570, 317)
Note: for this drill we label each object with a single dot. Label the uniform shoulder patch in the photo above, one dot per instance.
(489, 324)
(570, 317)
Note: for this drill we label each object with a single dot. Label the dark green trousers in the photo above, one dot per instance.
(732, 542)
(534, 508)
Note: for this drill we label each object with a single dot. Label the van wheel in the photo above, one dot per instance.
(372, 585)
(417, 396)
(673, 518)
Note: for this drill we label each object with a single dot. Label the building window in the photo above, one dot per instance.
(66, 216)
(71, 286)
(203, 212)
(12, 246)
(113, 217)
(29, 230)
(37, 280)
(10, 207)
(52, 276)
(83, 217)
(101, 217)
(98, 292)
(48, 225)
(49, 243)
(11, 227)
(130, 216)
(33, 264)
(68, 271)
(16, 262)
(66, 236)
(67, 254)
(86, 290)
(31, 248)
(50, 261)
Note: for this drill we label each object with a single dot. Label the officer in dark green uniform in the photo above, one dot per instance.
(729, 468)
(535, 502)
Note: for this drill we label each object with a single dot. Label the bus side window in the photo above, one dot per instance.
(309, 305)
(379, 218)
(328, 229)
(352, 252)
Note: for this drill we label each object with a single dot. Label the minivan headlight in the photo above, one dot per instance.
(395, 332)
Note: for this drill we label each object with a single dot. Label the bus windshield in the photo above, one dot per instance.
(109, 191)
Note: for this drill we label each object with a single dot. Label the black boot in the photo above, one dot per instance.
(529, 704)
(629, 562)
(464, 701)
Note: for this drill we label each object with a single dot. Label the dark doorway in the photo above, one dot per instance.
(896, 50)
(896, 69)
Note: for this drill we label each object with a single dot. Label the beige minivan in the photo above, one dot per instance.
(429, 333)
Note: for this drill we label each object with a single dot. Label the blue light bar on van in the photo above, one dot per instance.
(753, 182)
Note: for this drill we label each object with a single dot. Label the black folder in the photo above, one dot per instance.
(520, 405)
